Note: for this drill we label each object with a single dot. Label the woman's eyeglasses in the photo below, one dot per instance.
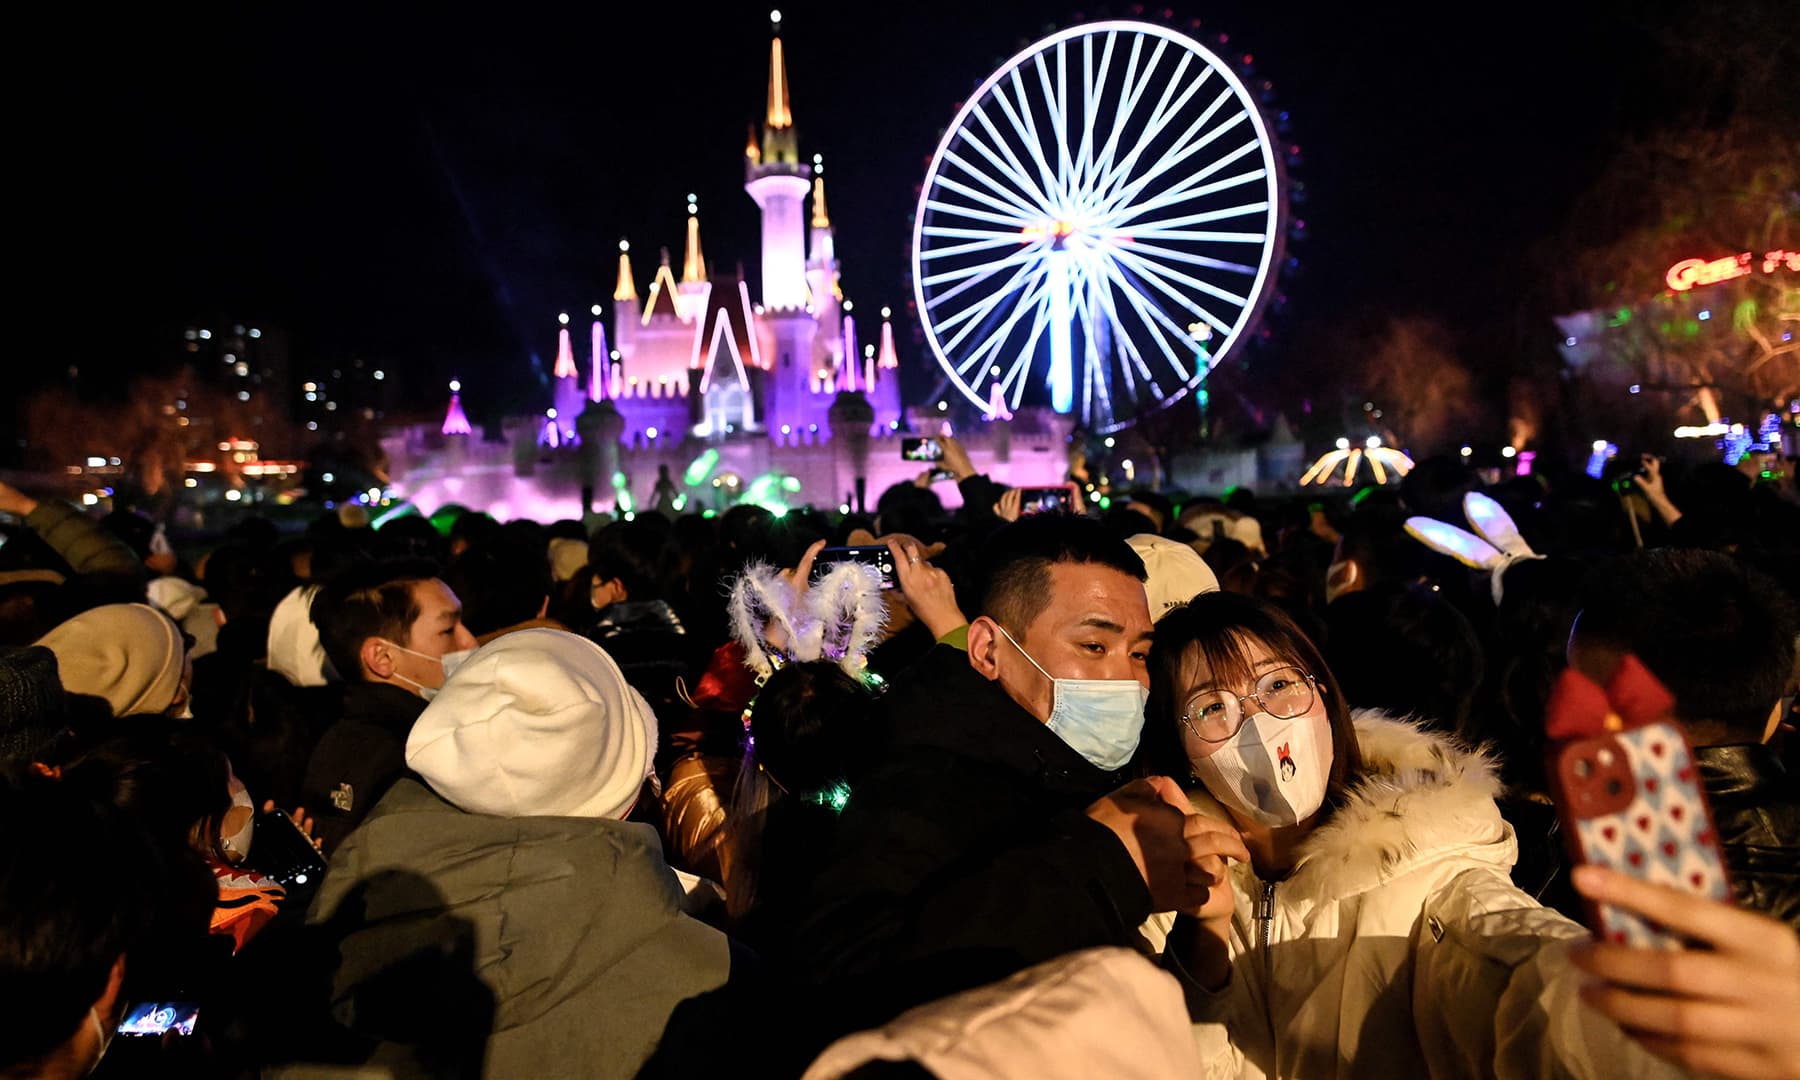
(1215, 715)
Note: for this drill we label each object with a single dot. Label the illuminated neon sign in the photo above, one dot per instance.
(1688, 273)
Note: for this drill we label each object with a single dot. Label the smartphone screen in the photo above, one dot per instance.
(1043, 500)
(284, 853)
(160, 1018)
(876, 555)
(921, 448)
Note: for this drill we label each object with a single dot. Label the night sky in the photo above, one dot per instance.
(426, 190)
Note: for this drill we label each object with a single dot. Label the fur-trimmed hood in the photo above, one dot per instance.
(1422, 796)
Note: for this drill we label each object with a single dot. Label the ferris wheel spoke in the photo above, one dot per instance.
(1017, 221)
(1184, 191)
(970, 248)
(1184, 147)
(1211, 167)
(1160, 277)
(1090, 100)
(1024, 278)
(1095, 384)
(970, 234)
(1148, 311)
(1132, 89)
(1026, 125)
(1191, 259)
(1127, 344)
(1011, 167)
(1202, 217)
(1033, 300)
(1013, 207)
(1054, 97)
(1200, 236)
(1159, 119)
(1023, 255)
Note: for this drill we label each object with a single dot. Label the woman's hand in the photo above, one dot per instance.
(1650, 482)
(925, 588)
(1011, 504)
(300, 820)
(1726, 1007)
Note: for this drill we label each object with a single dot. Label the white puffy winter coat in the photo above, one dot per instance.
(1398, 945)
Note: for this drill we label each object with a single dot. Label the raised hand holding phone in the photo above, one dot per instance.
(1725, 1004)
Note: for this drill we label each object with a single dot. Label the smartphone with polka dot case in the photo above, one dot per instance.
(1630, 800)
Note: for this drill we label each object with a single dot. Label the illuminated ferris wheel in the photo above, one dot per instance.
(1100, 221)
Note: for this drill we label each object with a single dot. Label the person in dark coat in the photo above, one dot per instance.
(395, 630)
(995, 831)
(1721, 637)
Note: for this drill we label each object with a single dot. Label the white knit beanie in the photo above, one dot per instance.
(537, 723)
(1177, 573)
(129, 654)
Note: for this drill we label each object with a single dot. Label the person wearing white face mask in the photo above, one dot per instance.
(995, 829)
(1374, 928)
(395, 632)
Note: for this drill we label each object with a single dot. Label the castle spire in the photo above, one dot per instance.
(779, 145)
(751, 149)
(779, 114)
(601, 362)
(626, 289)
(565, 350)
(889, 357)
(456, 422)
(693, 264)
(820, 219)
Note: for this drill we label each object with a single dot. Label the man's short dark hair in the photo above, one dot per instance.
(373, 600)
(1719, 635)
(630, 551)
(1014, 566)
(500, 585)
(75, 895)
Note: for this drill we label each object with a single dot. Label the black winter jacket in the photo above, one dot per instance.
(1756, 811)
(964, 854)
(359, 758)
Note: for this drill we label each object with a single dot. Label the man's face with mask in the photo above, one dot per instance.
(437, 630)
(1095, 624)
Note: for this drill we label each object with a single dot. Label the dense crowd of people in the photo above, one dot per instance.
(1191, 786)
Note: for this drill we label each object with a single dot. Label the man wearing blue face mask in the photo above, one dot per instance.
(399, 629)
(996, 830)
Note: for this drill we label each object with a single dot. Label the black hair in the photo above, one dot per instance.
(1014, 566)
(630, 551)
(1220, 626)
(373, 600)
(808, 728)
(908, 508)
(1406, 649)
(472, 530)
(1719, 635)
(500, 585)
(80, 883)
(164, 775)
(408, 536)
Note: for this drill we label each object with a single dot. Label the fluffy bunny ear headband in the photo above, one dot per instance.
(1497, 548)
(837, 618)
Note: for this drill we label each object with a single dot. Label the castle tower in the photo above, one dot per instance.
(626, 308)
(884, 387)
(779, 183)
(568, 395)
(600, 361)
(822, 286)
(693, 287)
(456, 422)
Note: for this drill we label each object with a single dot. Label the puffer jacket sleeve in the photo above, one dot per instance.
(83, 544)
(1494, 991)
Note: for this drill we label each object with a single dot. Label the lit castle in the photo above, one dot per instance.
(697, 376)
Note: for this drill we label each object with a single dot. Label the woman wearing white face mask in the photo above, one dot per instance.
(1375, 930)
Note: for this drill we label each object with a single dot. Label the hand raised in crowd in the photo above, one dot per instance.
(1010, 505)
(1726, 1006)
(926, 589)
(956, 458)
